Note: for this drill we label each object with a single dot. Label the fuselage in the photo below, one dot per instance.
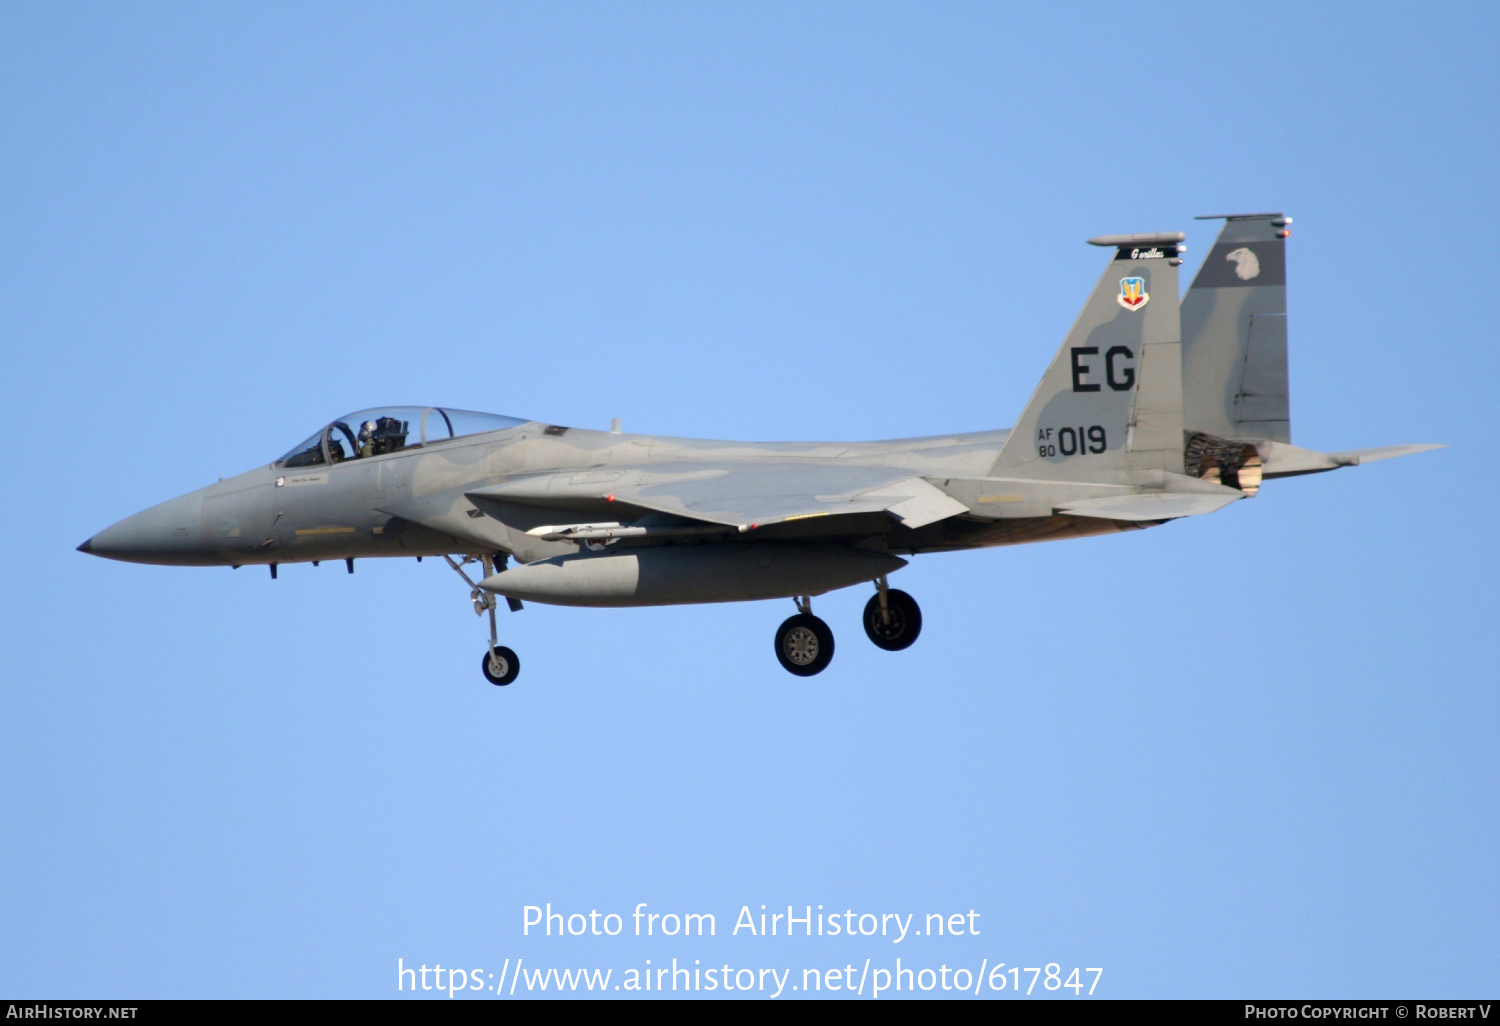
(411, 502)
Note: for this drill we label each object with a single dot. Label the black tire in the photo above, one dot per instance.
(902, 625)
(511, 670)
(804, 645)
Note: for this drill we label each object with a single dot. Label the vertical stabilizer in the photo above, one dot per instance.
(1234, 339)
(1112, 400)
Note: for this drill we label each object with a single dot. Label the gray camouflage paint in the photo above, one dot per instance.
(1234, 337)
(726, 521)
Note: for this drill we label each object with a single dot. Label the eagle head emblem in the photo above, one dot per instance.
(1246, 264)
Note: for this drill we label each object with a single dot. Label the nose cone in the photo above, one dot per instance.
(170, 534)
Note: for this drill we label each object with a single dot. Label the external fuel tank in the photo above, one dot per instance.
(677, 574)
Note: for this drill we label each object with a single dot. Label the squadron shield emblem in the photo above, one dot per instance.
(1133, 294)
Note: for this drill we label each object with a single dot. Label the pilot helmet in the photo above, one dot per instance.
(367, 429)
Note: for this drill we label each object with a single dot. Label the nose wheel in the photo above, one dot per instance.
(499, 664)
(804, 644)
(892, 618)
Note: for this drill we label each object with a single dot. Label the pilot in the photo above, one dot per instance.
(367, 438)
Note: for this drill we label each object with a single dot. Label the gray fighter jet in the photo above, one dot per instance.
(1154, 408)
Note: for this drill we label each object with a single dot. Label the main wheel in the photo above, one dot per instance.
(500, 665)
(804, 645)
(901, 624)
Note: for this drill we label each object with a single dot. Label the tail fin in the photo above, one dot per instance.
(1234, 374)
(1112, 400)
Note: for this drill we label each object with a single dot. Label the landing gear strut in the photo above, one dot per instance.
(804, 644)
(892, 618)
(499, 664)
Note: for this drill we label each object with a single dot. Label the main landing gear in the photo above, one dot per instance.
(804, 643)
(892, 618)
(499, 664)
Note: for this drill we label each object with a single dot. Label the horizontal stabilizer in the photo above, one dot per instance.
(1355, 457)
(1280, 460)
(1152, 505)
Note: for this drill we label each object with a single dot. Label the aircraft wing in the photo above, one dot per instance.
(742, 495)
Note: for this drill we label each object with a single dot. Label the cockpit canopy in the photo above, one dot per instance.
(391, 429)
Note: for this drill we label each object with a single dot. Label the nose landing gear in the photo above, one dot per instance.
(499, 664)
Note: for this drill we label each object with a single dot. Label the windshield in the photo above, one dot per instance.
(391, 429)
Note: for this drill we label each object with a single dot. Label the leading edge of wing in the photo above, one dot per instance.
(740, 495)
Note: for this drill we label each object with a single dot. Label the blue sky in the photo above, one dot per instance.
(1252, 753)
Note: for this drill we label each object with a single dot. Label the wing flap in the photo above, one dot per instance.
(916, 503)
